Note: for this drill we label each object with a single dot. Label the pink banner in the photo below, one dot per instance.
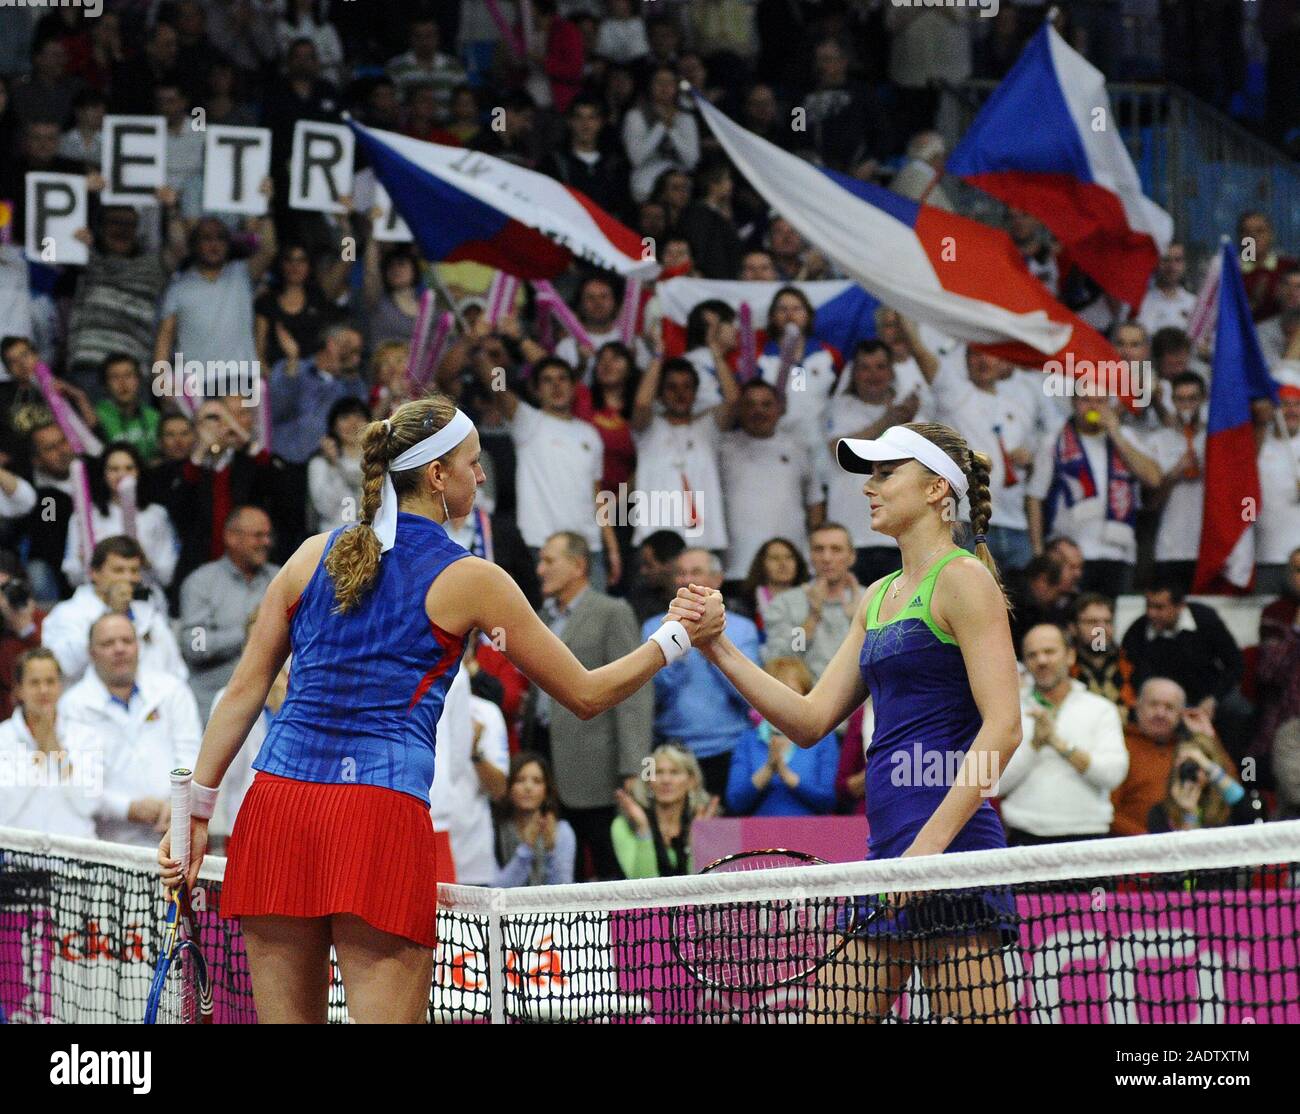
(747, 364)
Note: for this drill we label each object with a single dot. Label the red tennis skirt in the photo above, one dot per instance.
(310, 849)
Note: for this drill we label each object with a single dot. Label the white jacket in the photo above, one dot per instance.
(39, 793)
(154, 533)
(239, 774)
(1042, 793)
(66, 631)
(156, 732)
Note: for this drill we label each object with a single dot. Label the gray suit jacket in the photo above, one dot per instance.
(592, 758)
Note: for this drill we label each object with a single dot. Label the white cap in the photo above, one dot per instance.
(900, 443)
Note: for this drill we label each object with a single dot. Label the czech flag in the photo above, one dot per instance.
(1048, 144)
(1226, 561)
(464, 205)
(844, 313)
(961, 277)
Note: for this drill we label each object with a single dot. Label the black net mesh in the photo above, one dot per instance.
(78, 940)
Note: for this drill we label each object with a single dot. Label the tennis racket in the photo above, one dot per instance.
(181, 991)
(763, 945)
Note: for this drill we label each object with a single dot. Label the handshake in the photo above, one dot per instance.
(700, 610)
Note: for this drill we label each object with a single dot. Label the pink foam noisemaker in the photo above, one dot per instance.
(420, 336)
(508, 33)
(80, 439)
(547, 294)
(747, 364)
(130, 508)
(433, 351)
(791, 347)
(631, 311)
(81, 502)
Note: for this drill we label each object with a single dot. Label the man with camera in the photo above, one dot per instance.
(116, 575)
(1057, 785)
(20, 620)
(1160, 722)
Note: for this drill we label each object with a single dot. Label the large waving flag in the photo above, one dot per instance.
(1226, 562)
(843, 313)
(464, 205)
(962, 277)
(1047, 143)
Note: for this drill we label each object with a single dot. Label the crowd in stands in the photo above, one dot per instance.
(125, 604)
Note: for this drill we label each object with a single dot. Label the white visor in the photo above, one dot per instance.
(422, 452)
(900, 443)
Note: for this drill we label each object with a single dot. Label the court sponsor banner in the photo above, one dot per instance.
(1084, 957)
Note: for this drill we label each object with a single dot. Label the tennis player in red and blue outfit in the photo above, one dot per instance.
(932, 647)
(333, 845)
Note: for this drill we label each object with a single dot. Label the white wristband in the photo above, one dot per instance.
(203, 801)
(673, 640)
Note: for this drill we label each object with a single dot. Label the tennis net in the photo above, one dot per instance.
(1178, 928)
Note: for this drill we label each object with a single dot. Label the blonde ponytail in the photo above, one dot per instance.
(353, 560)
(976, 467)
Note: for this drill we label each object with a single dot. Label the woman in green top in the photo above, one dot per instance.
(652, 838)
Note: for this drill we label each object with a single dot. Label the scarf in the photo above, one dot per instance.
(508, 842)
(1073, 481)
(681, 845)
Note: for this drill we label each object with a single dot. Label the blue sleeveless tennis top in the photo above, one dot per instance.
(366, 687)
(925, 713)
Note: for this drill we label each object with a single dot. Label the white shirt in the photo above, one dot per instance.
(1085, 522)
(767, 482)
(154, 532)
(808, 395)
(567, 350)
(982, 417)
(1277, 530)
(38, 792)
(239, 774)
(20, 502)
(1162, 310)
(558, 462)
(1043, 794)
(653, 148)
(709, 394)
(845, 502)
(457, 803)
(622, 40)
(66, 631)
(156, 732)
(1179, 535)
(677, 471)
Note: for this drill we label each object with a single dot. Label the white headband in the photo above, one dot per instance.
(900, 443)
(422, 452)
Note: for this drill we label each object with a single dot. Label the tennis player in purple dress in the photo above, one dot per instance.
(931, 645)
